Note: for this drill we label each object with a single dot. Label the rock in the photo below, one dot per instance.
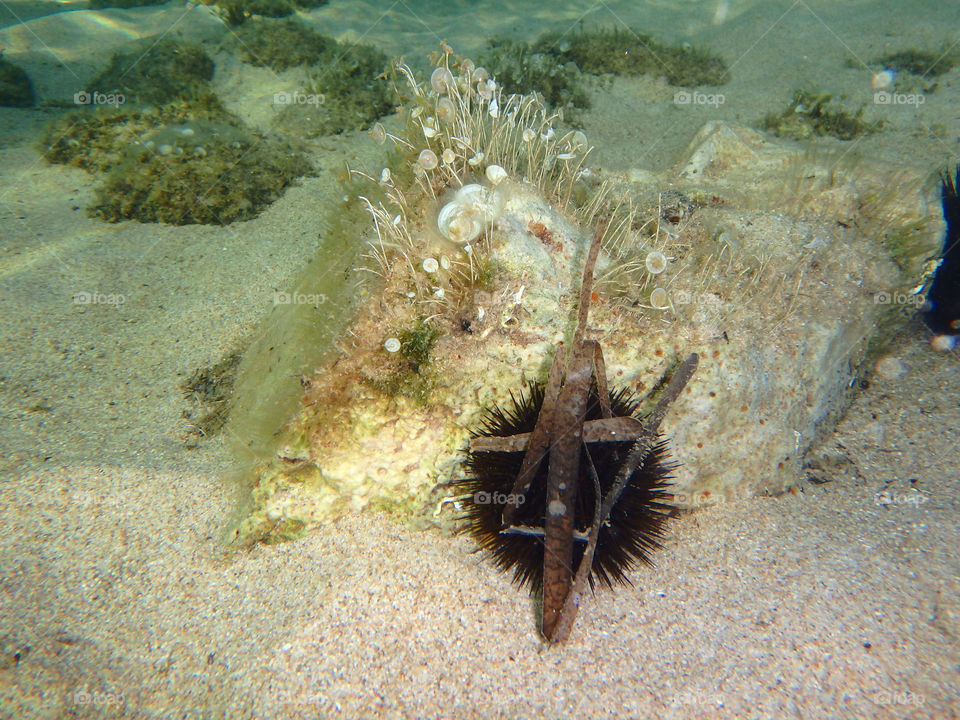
(781, 324)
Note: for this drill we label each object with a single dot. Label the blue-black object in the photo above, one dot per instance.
(942, 311)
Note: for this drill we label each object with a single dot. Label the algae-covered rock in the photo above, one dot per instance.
(346, 90)
(157, 71)
(768, 263)
(282, 44)
(98, 140)
(235, 12)
(179, 163)
(167, 150)
(622, 51)
(213, 173)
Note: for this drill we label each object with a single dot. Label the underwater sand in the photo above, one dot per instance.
(117, 599)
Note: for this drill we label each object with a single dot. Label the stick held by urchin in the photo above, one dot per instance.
(582, 482)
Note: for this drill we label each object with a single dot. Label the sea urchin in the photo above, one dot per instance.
(570, 433)
(636, 522)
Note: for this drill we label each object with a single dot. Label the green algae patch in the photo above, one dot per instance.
(102, 4)
(346, 90)
(220, 174)
(157, 72)
(236, 12)
(282, 44)
(417, 342)
(627, 52)
(277, 368)
(179, 164)
(521, 69)
(915, 61)
(16, 90)
(407, 371)
(812, 114)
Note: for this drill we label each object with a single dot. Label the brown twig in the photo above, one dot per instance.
(562, 484)
(539, 443)
(565, 440)
(637, 453)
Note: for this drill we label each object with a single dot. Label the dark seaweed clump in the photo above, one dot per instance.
(811, 114)
(520, 69)
(920, 62)
(282, 44)
(157, 72)
(556, 65)
(235, 12)
(218, 182)
(170, 166)
(914, 70)
(348, 91)
(346, 87)
(16, 90)
(626, 52)
(99, 4)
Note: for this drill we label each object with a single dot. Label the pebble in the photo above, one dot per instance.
(889, 367)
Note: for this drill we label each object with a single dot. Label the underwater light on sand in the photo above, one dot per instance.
(882, 79)
(720, 14)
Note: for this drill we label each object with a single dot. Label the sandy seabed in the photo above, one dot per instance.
(841, 600)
